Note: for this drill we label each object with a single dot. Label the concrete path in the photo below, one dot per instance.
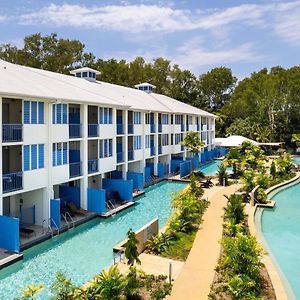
(197, 274)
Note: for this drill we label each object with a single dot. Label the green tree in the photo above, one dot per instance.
(193, 142)
(131, 251)
(233, 159)
(273, 170)
(296, 139)
(62, 288)
(234, 211)
(222, 175)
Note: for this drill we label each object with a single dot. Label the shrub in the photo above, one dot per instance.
(262, 180)
(248, 180)
(222, 175)
(159, 243)
(261, 196)
(195, 186)
(273, 169)
(234, 211)
(132, 284)
(30, 292)
(62, 287)
(131, 252)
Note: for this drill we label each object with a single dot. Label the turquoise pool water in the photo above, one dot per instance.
(296, 160)
(280, 229)
(211, 168)
(83, 252)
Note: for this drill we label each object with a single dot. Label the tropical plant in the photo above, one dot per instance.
(62, 287)
(30, 292)
(195, 186)
(296, 139)
(262, 180)
(193, 142)
(263, 133)
(234, 211)
(131, 251)
(248, 180)
(261, 195)
(273, 170)
(284, 164)
(222, 175)
(108, 285)
(233, 159)
(132, 284)
(159, 243)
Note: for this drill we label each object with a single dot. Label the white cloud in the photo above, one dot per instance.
(3, 18)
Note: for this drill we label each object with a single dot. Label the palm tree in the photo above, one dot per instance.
(233, 159)
(131, 251)
(30, 292)
(296, 139)
(263, 134)
(193, 142)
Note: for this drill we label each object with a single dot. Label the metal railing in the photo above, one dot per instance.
(130, 155)
(92, 166)
(120, 129)
(118, 257)
(12, 182)
(12, 133)
(120, 157)
(52, 222)
(130, 128)
(93, 130)
(71, 219)
(74, 131)
(152, 128)
(75, 169)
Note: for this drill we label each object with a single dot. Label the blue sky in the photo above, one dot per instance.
(198, 35)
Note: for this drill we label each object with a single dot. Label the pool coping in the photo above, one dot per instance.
(273, 271)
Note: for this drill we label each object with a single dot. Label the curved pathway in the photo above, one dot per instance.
(197, 274)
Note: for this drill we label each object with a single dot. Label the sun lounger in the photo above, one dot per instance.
(76, 210)
(26, 231)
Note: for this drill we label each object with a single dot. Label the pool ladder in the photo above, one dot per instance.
(65, 217)
(118, 257)
(51, 229)
(111, 206)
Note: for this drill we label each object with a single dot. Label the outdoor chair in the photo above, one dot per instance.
(75, 210)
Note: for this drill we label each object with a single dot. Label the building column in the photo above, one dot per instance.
(156, 143)
(84, 155)
(125, 124)
(1, 194)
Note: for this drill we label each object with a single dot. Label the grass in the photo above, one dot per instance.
(181, 245)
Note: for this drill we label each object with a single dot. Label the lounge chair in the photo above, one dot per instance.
(75, 210)
(26, 231)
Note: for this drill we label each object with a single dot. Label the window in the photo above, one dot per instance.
(33, 112)
(137, 142)
(178, 138)
(78, 74)
(178, 119)
(84, 74)
(136, 117)
(165, 119)
(164, 139)
(172, 139)
(147, 118)
(147, 141)
(33, 157)
(105, 115)
(105, 148)
(59, 113)
(59, 154)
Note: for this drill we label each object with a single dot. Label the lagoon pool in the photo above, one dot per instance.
(296, 160)
(83, 252)
(280, 230)
(211, 168)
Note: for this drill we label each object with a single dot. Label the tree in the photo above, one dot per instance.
(131, 251)
(30, 292)
(233, 159)
(296, 139)
(222, 175)
(62, 287)
(193, 142)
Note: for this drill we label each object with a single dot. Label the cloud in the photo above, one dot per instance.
(3, 18)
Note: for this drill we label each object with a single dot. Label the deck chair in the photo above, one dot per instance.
(75, 210)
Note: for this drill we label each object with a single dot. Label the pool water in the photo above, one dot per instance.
(83, 252)
(280, 229)
(296, 160)
(211, 168)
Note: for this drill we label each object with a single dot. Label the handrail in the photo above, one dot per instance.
(65, 218)
(118, 254)
(55, 225)
(72, 220)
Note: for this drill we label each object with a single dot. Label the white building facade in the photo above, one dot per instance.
(76, 131)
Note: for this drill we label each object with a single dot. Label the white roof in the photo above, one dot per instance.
(25, 82)
(145, 84)
(233, 141)
(84, 69)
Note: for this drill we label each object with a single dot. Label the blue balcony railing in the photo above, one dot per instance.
(130, 128)
(182, 127)
(74, 131)
(159, 128)
(130, 155)
(120, 157)
(12, 182)
(152, 151)
(12, 133)
(152, 128)
(93, 130)
(92, 166)
(120, 129)
(159, 150)
(75, 169)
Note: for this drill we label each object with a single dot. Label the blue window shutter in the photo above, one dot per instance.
(33, 157)
(26, 114)
(58, 114)
(54, 154)
(53, 113)
(41, 112)
(101, 115)
(26, 158)
(65, 114)
(33, 112)
(65, 153)
(110, 116)
(105, 115)
(41, 156)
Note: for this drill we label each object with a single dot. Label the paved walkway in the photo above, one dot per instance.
(197, 274)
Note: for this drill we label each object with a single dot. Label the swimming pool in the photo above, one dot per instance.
(83, 252)
(211, 168)
(280, 230)
(296, 160)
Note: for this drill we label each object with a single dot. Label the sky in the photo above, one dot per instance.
(198, 35)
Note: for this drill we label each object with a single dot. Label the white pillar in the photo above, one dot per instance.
(84, 155)
(156, 143)
(125, 124)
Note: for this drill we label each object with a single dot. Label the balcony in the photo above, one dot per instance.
(159, 128)
(130, 155)
(93, 130)
(159, 150)
(152, 151)
(75, 169)
(120, 129)
(12, 182)
(74, 131)
(12, 133)
(92, 166)
(120, 157)
(182, 127)
(130, 128)
(152, 128)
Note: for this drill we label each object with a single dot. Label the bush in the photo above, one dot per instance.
(262, 180)
(195, 186)
(131, 252)
(248, 180)
(62, 287)
(222, 175)
(273, 170)
(234, 211)
(158, 243)
(261, 196)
